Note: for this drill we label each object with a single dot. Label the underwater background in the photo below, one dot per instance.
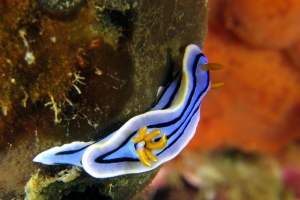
(76, 70)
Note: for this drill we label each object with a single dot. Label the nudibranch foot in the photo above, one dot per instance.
(144, 145)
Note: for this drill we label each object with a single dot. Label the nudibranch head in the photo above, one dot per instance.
(144, 145)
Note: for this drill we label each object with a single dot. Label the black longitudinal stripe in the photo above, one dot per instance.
(165, 106)
(101, 158)
(189, 117)
(172, 96)
(175, 140)
(169, 85)
(169, 123)
(78, 150)
(157, 125)
(195, 105)
(128, 159)
(122, 159)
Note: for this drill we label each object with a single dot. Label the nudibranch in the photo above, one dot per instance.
(147, 140)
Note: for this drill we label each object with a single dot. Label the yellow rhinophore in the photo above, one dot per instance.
(213, 66)
(215, 85)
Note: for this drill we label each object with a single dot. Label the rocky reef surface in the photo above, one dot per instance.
(76, 70)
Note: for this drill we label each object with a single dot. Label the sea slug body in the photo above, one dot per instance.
(147, 140)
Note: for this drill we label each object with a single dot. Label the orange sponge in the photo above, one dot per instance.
(268, 23)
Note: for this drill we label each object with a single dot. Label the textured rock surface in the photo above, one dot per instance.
(78, 72)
